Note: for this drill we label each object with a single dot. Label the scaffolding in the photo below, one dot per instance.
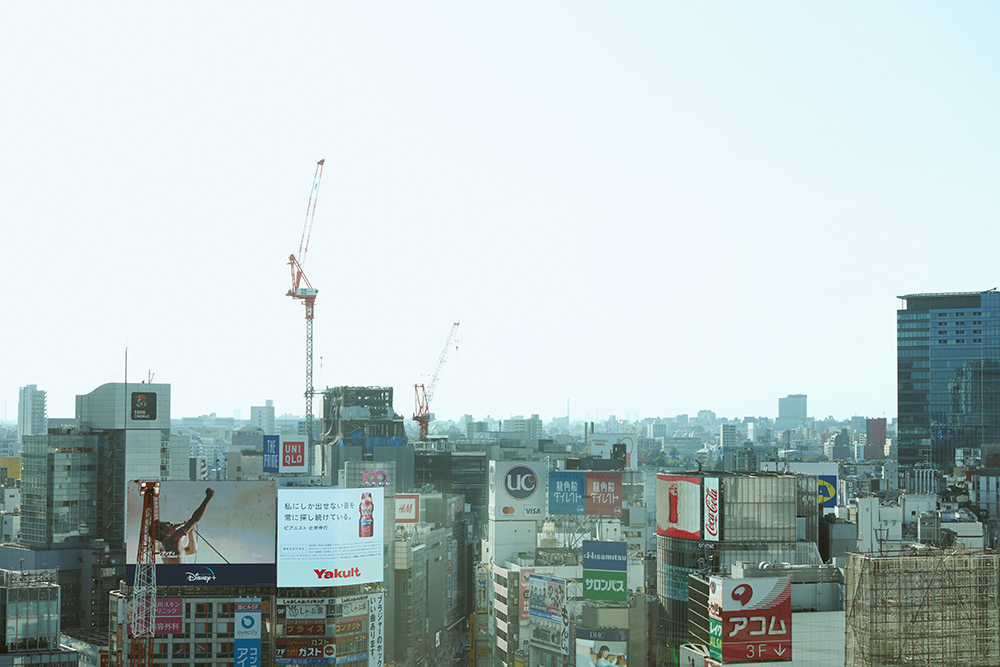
(923, 607)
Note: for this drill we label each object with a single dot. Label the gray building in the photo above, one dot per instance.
(31, 411)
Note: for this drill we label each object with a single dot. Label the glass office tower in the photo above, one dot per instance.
(948, 361)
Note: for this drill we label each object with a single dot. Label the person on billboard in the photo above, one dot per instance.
(171, 535)
(604, 657)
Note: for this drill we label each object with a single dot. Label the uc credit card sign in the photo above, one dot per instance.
(517, 490)
(330, 537)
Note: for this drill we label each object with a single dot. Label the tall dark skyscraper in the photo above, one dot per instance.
(948, 374)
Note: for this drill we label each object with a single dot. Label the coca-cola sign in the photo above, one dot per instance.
(711, 497)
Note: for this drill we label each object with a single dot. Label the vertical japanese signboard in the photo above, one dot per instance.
(750, 620)
(678, 506)
(329, 537)
(271, 446)
(711, 496)
(246, 642)
(376, 624)
(525, 596)
(605, 571)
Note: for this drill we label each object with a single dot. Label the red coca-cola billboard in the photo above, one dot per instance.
(712, 527)
(678, 506)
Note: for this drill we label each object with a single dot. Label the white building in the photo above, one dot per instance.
(31, 415)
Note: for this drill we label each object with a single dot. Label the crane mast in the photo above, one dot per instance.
(423, 396)
(303, 290)
(143, 609)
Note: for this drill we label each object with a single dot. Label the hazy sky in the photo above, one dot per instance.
(652, 207)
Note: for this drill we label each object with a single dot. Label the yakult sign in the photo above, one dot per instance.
(517, 491)
(710, 489)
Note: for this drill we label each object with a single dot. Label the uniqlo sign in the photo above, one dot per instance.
(293, 457)
(750, 620)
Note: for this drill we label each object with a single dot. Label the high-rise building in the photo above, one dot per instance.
(262, 416)
(876, 432)
(31, 413)
(791, 412)
(74, 483)
(948, 373)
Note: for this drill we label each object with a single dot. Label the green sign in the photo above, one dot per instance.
(605, 585)
(715, 639)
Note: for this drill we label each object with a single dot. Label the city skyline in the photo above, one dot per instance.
(653, 209)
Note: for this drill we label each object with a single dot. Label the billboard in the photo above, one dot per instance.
(516, 490)
(566, 491)
(711, 527)
(271, 446)
(293, 457)
(827, 490)
(591, 493)
(246, 637)
(605, 570)
(483, 589)
(678, 506)
(169, 616)
(601, 647)
(210, 533)
(329, 537)
(602, 445)
(546, 597)
(407, 508)
(750, 620)
(603, 495)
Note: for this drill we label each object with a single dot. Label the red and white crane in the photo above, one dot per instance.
(303, 290)
(423, 397)
(142, 614)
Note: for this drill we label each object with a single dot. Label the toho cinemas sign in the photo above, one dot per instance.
(518, 490)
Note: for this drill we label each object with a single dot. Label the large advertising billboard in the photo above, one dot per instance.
(601, 647)
(407, 508)
(546, 597)
(329, 537)
(591, 493)
(210, 533)
(750, 620)
(605, 570)
(516, 490)
(678, 506)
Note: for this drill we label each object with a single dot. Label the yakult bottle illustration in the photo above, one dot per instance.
(672, 504)
(366, 526)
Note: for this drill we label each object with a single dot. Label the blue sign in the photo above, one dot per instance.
(608, 556)
(270, 453)
(246, 641)
(828, 490)
(566, 492)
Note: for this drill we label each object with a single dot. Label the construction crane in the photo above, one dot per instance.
(423, 397)
(143, 609)
(303, 289)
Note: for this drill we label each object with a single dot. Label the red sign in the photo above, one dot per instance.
(678, 506)
(756, 619)
(293, 457)
(407, 508)
(602, 495)
(525, 607)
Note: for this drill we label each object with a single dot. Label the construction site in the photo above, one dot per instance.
(923, 607)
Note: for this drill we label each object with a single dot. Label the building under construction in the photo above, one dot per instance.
(926, 607)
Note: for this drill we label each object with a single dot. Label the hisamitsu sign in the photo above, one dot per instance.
(605, 571)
